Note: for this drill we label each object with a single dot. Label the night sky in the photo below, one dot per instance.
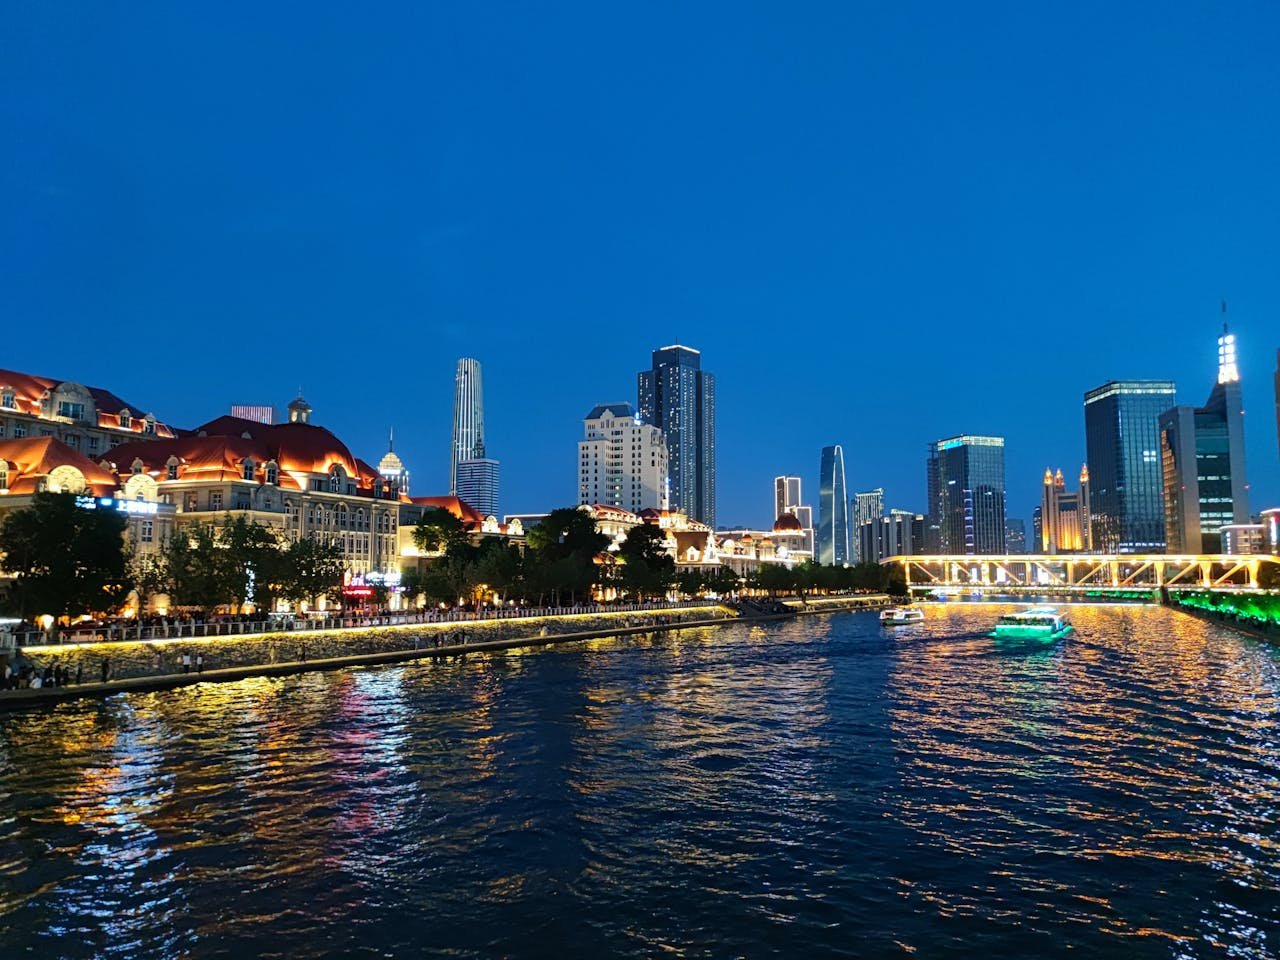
(881, 223)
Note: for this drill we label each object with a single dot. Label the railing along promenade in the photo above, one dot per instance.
(184, 629)
(1082, 570)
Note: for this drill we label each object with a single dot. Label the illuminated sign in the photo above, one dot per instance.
(357, 591)
(138, 507)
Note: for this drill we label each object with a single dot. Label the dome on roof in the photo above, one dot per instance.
(787, 523)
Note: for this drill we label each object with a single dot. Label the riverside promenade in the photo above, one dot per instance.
(350, 647)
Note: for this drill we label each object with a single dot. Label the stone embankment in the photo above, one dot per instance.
(158, 664)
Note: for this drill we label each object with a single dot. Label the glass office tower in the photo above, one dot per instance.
(966, 480)
(1122, 442)
(833, 509)
(1203, 462)
(679, 398)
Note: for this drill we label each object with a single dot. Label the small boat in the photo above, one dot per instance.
(898, 616)
(1036, 623)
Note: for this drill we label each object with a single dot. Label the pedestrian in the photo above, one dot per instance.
(199, 663)
(186, 663)
(79, 674)
(106, 669)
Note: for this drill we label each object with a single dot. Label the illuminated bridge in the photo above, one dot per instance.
(1082, 570)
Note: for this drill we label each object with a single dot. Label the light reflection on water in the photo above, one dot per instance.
(815, 787)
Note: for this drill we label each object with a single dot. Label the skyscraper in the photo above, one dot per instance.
(833, 508)
(867, 506)
(468, 418)
(967, 475)
(392, 469)
(679, 398)
(1202, 462)
(621, 461)
(1122, 446)
(1015, 535)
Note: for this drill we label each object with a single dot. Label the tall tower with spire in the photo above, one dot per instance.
(392, 470)
(468, 418)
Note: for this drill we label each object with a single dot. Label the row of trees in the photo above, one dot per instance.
(69, 561)
(561, 564)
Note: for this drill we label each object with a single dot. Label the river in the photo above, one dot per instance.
(818, 787)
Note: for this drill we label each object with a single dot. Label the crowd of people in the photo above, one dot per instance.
(15, 675)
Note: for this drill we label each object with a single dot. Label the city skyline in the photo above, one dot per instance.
(535, 233)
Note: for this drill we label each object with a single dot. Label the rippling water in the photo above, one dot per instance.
(818, 787)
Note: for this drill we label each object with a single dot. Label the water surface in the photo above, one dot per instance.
(815, 788)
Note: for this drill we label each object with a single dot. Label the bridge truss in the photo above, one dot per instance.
(1082, 570)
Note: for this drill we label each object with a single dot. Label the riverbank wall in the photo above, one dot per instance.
(155, 664)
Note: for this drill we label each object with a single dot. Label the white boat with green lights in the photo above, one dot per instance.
(1037, 623)
(901, 616)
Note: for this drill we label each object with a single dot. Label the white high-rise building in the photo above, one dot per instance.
(478, 485)
(621, 461)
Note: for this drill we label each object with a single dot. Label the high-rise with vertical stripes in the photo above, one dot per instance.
(473, 476)
(679, 398)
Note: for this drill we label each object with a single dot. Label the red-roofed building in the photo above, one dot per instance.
(89, 420)
(295, 478)
(32, 465)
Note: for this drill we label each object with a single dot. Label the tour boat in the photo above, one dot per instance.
(898, 616)
(1036, 623)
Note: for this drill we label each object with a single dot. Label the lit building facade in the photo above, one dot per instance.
(1203, 462)
(1122, 445)
(867, 506)
(258, 413)
(467, 441)
(679, 398)
(1271, 529)
(622, 462)
(1065, 522)
(32, 465)
(1015, 535)
(478, 484)
(833, 508)
(1244, 538)
(295, 478)
(901, 533)
(89, 420)
(789, 501)
(966, 475)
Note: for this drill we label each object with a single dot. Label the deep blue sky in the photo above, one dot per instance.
(881, 223)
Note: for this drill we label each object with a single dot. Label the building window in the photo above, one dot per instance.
(189, 504)
(19, 431)
(215, 500)
(73, 441)
(70, 410)
(335, 480)
(172, 471)
(4, 476)
(93, 444)
(149, 426)
(126, 419)
(273, 474)
(148, 531)
(137, 466)
(7, 399)
(248, 469)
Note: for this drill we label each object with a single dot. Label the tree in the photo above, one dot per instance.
(67, 560)
(251, 569)
(195, 569)
(647, 569)
(437, 530)
(564, 547)
(775, 578)
(313, 568)
(499, 566)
